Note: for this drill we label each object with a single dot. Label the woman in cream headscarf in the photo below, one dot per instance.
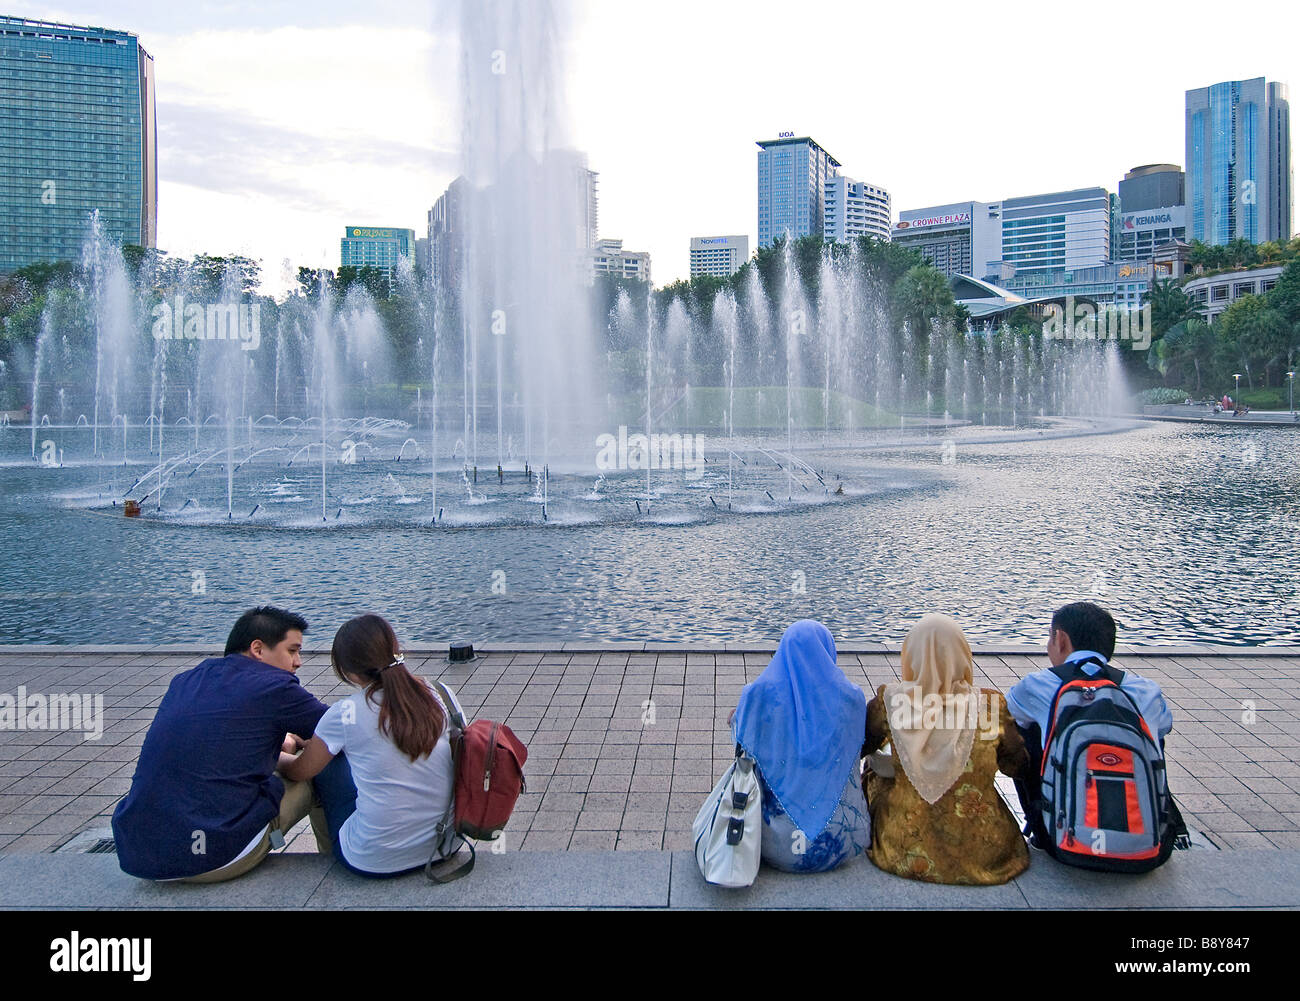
(935, 814)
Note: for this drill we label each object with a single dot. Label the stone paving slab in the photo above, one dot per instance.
(643, 646)
(855, 885)
(69, 881)
(1198, 880)
(624, 743)
(1190, 880)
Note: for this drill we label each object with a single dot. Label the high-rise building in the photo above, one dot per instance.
(962, 238)
(376, 247)
(609, 258)
(855, 208)
(1152, 211)
(563, 178)
(447, 220)
(792, 175)
(1010, 240)
(78, 133)
(721, 256)
(1239, 183)
(1059, 231)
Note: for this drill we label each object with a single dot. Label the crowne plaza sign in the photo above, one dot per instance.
(925, 222)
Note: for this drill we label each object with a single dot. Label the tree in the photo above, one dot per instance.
(923, 298)
(373, 280)
(210, 274)
(1269, 252)
(1285, 295)
(1190, 342)
(923, 301)
(1251, 332)
(310, 279)
(1169, 306)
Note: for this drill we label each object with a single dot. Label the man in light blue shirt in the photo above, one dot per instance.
(1081, 633)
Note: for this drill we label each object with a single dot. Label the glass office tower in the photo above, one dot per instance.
(1239, 162)
(77, 133)
(792, 175)
(376, 247)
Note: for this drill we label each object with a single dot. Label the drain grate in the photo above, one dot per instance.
(98, 841)
(104, 846)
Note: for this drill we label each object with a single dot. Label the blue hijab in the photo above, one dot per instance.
(804, 723)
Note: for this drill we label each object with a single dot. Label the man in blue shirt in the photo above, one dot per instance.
(206, 804)
(1080, 632)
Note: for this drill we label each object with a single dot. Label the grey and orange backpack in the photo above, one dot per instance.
(1104, 796)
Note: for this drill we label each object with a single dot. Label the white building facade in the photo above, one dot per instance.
(1213, 294)
(961, 238)
(855, 208)
(609, 258)
(721, 256)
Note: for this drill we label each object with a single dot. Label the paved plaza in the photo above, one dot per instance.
(625, 741)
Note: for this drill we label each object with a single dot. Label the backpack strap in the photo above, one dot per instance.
(438, 869)
(1073, 669)
(456, 718)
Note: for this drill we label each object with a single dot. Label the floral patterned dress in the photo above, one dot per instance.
(968, 836)
(845, 836)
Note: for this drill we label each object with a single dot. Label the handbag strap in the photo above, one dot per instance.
(444, 873)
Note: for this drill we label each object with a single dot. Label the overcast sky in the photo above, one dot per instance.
(280, 123)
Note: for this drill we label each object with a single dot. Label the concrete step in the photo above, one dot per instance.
(1211, 880)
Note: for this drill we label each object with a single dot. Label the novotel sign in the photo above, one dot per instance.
(954, 219)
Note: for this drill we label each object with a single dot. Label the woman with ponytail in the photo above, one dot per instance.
(380, 758)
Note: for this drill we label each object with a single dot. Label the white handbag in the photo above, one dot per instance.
(729, 827)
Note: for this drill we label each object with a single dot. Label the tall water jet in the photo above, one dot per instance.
(42, 339)
(110, 301)
(649, 368)
(526, 200)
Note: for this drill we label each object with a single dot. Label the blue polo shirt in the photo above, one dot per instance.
(204, 785)
(1030, 701)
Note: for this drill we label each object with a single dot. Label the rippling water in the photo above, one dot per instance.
(1186, 533)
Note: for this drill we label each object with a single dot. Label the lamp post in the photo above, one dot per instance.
(1291, 391)
(1236, 392)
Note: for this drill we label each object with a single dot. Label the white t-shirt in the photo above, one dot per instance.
(399, 802)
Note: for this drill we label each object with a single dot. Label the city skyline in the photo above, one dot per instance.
(247, 96)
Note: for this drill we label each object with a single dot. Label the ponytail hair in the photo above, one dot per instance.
(409, 715)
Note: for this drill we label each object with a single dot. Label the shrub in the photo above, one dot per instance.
(1264, 399)
(1163, 394)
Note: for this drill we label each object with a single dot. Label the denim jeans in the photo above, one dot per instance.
(338, 796)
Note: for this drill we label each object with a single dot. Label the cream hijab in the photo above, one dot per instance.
(932, 712)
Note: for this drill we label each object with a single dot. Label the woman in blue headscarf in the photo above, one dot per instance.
(803, 722)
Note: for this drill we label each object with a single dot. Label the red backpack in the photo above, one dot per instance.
(488, 760)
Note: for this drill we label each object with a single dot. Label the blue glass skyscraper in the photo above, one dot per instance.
(792, 175)
(1239, 162)
(77, 133)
